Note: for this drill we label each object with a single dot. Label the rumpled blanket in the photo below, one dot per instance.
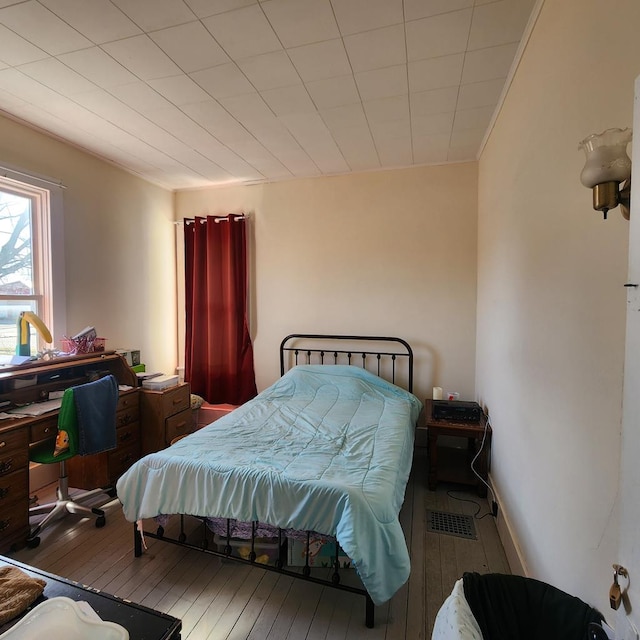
(517, 608)
(17, 591)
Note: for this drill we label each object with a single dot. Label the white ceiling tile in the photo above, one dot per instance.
(355, 16)
(223, 81)
(415, 9)
(206, 8)
(499, 23)
(179, 90)
(270, 71)
(322, 60)
(249, 107)
(387, 109)
(142, 57)
(99, 20)
(358, 149)
(150, 15)
(333, 92)
(376, 49)
(289, 100)
(395, 152)
(426, 103)
(140, 96)
(430, 149)
(477, 118)
(299, 22)
(345, 118)
(98, 66)
(312, 134)
(15, 50)
(243, 33)
(382, 83)
(217, 121)
(429, 125)
(480, 94)
(57, 76)
(488, 64)
(190, 46)
(42, 28)
(398, 129)
(24, 87)
(464, 145)
(469, 138)
(440, 35)
(435, 73)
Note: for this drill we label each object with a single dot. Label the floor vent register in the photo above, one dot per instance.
(453, 524)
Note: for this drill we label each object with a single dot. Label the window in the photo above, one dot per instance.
(26, 264)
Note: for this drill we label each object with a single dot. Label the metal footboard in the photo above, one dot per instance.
(279, 565)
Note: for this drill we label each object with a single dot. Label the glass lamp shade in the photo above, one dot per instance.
(607, 159)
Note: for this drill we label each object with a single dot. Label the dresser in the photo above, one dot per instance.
(165, 415)
(32, 383)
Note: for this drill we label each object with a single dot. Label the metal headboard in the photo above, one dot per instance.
(305, 345)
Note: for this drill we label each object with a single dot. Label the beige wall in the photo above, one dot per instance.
(119, 245)
(386, 253)
(551, 301)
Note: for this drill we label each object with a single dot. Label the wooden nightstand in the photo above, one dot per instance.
(452, 464)
(165, 415)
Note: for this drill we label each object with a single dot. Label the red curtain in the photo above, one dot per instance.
(219, 353)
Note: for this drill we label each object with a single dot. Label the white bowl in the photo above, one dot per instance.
(64, 619)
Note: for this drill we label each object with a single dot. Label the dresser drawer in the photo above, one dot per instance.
(178, 425)
(14, 451)
(44, 429)
(14, 521)
(127, 434)
(128, 400)
(14, 486)
(121, 459)
(176, 400)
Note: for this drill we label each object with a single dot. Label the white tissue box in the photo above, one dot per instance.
(160, 383)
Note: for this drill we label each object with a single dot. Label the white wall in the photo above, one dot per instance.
(384, 253)
(551, 301)
(119, 245)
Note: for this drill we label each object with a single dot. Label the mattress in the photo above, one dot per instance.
(326, 448)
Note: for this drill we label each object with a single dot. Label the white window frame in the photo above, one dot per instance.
(47, 228)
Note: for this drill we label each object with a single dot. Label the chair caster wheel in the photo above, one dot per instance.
(32, 543)
(100, 522)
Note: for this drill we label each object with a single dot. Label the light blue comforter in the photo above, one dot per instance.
(326, 448)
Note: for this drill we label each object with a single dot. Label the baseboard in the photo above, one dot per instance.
(507, 537)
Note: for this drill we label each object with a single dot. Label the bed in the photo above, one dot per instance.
(324, 451)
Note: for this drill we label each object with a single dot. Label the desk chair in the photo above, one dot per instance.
(86, 411)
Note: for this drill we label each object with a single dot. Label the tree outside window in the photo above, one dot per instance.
(24, 260)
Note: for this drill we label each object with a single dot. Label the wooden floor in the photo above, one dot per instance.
(218, 599)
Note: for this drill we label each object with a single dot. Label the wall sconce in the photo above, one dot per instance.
(608, 166)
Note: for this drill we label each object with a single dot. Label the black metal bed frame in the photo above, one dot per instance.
(399, 351)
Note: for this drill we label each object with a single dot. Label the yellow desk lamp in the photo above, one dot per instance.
(26, 318)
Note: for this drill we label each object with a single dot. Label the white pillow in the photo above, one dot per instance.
(455, 620)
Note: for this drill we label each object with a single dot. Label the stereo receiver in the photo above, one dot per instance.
(456, 410)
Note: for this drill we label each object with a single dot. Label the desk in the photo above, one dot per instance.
(452, 464)
(141, 622)
(32, 382)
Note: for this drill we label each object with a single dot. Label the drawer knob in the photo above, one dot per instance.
(3, 444)
(6, 466)
(47, 429)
